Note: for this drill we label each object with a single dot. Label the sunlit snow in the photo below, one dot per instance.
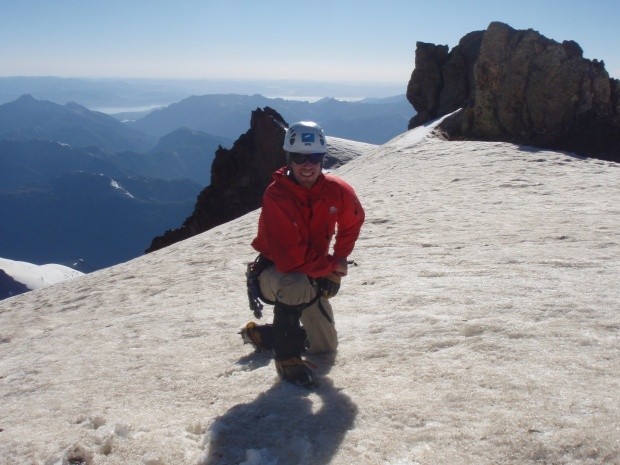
(481, 326)
(37, 276)
(116, 185)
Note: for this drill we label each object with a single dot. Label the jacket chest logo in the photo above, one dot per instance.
(333, 210)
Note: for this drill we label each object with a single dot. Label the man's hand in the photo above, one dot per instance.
(329, 285)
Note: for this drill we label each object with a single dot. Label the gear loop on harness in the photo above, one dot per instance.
(255, 296)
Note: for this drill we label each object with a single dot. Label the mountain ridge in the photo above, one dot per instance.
(27, 118)
(226, 115)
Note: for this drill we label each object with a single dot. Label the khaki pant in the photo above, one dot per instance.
(296, 289)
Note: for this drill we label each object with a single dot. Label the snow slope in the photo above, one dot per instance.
(37, 276)
(342, 151)
(481, 326)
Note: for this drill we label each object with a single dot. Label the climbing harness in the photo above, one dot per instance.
(256, 298)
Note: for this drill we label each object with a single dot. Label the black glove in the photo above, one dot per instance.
(329, 285)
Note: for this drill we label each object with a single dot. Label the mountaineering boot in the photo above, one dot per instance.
(260, 336)
(289, 341)
(296, 371)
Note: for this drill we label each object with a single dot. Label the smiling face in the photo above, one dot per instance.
(306, 173)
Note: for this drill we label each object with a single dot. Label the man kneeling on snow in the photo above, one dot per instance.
(302, 210)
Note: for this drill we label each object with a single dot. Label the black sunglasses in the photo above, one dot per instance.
(301, 158)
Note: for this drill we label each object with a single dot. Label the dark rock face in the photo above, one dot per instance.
(519, 86)
(442, 82)
(9, 287)
(239, 177)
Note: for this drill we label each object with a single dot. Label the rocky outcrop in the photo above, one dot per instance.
(239, 177)
(519, 86)
(442, 81)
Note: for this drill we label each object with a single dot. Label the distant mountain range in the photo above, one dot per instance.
(94, 142)
(27, 118)
(373, 121)
(106, 94)
(80, 186)
(67, 200)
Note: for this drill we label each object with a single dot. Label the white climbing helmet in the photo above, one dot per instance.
(305, 137)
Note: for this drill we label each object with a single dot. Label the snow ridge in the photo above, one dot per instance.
(37, 276)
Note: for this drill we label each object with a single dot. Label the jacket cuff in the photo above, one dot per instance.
(333, 259)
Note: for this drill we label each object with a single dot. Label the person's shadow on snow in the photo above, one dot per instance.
(284, 425)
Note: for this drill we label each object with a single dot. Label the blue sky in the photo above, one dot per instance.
(336, 40)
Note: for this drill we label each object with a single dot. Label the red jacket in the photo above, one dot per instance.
(296, 224)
